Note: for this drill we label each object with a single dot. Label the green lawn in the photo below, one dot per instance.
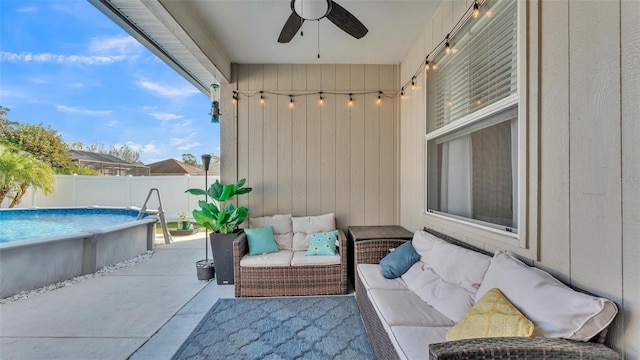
(173, 225)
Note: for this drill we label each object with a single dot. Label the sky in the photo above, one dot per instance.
(64, 64)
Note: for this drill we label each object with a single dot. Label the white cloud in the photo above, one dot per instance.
(113, 124)
(75, 110)
(120, 45)
(28, 57)
(28, 9)
(145, 149)
(165, 116)
(188, 146)
(167, 91)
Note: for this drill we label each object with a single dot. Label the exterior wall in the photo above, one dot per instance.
(585, 118)
(121, 191)
(314, 159)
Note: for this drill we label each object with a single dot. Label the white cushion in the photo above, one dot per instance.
(450, 300)
(282, 228)
(300, 258)
(402, 307)
(423, 243)
(457, 265)
(280, 258)
(372, 278)
(556, 310)
(412, 342)
(414, 277)
(304, 226)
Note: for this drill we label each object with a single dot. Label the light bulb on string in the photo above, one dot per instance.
(261, 97)
(426, 63)
(413, 83)
(234, 98)
(476, 10)
(321, 99)
(350, 99)
(447, 47)
(379, 97)
(291, 101)
(402, 93)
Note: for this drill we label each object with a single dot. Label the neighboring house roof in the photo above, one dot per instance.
(86, 156)
(175, 167)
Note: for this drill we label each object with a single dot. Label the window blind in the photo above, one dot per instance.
(481, 67)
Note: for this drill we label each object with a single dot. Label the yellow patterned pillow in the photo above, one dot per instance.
(491, 316)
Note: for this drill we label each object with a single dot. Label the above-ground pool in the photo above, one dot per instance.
(43, 246)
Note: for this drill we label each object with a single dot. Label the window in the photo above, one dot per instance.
(472, 122)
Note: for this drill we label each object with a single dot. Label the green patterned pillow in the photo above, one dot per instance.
(323, 243)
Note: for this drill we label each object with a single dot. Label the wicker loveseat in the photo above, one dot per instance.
(289, 272)
(398, 330)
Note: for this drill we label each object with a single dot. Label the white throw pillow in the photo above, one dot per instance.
(556, 310)
(304, 226)
(450, 300)
(282, 228)
(457, 265)
(423, 243)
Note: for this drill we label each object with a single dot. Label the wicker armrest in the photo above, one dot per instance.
(342, 239)
(521, 348)
(240, 249)
(372, 251)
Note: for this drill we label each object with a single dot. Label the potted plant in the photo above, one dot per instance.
(183, 223)
(222, 218)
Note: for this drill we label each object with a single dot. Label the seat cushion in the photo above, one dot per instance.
(280, 258)
(556, 310)
(412, 342)
(305, 226)
(372, 278)
(300, 258)
(282, 228)
(402, 307)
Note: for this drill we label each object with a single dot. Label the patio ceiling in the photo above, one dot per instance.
(201, 38)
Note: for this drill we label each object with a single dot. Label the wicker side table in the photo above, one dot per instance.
(359, 233)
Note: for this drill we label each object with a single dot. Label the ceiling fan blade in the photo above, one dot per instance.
(290, 28)
(346, 21)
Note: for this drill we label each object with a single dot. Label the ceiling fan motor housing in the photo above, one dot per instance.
(311, 9)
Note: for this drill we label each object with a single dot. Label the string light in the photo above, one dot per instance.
(234, 97)
(379, 97)
(350, 99)
(447, 48)
(413, 83)
(476, 10)
(402, 93)
(261, 97)
(321, 98)
(291, 101)
(426, 63)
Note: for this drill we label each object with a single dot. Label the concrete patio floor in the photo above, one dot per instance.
(144, 311)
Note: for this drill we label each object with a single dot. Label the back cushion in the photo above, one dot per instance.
(423, 243)
(556, 310)
(304, 226)
(282, 228)
(457, 265)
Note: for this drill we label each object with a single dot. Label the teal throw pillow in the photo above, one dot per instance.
(399, 261)
(261, 240)
(323, 243)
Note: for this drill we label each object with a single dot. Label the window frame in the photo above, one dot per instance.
(524, 242)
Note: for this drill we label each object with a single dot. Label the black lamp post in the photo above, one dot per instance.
(206, 272)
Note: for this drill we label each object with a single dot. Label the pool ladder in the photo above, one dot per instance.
(159, 212)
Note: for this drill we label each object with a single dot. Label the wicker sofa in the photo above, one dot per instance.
(412, 338)
(289, 272)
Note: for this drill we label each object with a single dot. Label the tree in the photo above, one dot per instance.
(44, 143)
(19, 170)
(191, 160)
(124, 152)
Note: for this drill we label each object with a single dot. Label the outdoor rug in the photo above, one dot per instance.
(323, 327)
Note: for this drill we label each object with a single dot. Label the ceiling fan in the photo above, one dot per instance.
(302, 10)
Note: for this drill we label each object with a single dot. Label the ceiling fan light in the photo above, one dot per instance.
(311, 9)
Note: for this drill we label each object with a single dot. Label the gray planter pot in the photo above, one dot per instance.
(205, 270)
(222, 249)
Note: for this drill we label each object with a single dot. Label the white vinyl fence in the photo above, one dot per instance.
(120, 191)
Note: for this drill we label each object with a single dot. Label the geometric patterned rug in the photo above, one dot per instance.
(318, 327)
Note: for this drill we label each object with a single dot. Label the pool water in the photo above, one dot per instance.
(16, 225)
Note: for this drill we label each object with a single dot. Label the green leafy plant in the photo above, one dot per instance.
(220, 215)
